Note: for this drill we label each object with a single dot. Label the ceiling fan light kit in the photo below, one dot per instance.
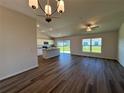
(89, 27)
(60, 8)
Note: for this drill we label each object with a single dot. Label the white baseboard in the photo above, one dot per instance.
(94, 56)
(18, 72)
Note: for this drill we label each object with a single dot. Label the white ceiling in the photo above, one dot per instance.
(108, 14)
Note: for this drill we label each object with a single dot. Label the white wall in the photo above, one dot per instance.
(121, 45)
(17, 43)
(109, 47)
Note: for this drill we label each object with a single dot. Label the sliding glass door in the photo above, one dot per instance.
(60, 46)
(64, 46)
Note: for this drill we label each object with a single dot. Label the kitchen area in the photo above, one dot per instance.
(47, 49)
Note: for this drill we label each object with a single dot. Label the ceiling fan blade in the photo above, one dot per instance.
(83, 26)
(95, 27)
(92, 26)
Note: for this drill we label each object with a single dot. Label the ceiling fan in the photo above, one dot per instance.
(89, 27)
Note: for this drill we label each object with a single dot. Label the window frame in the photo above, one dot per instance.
(89, 45)
(91, 40)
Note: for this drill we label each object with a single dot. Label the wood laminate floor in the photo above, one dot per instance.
(68, 74)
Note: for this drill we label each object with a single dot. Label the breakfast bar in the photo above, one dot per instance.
(50, 52)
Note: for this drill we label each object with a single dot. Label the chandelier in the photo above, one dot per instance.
(47, 10)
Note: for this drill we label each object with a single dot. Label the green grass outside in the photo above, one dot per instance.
(86, 49)
(95, 49)
(65, 49)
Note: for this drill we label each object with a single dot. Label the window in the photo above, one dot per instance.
(96, 45)
(86, 45)
(93, 45)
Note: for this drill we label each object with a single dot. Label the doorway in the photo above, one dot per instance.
(64, 46)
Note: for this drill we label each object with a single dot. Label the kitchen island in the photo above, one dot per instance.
(51, 52)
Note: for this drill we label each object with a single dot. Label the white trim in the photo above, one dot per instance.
(93, 56)
(18, 72)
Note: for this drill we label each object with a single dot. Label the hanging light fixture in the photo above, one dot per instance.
(48, 10)
(60, 6)
(34, 4)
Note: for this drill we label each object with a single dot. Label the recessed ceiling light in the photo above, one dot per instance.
(42, 31)
(51, 29)
(38, 25)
